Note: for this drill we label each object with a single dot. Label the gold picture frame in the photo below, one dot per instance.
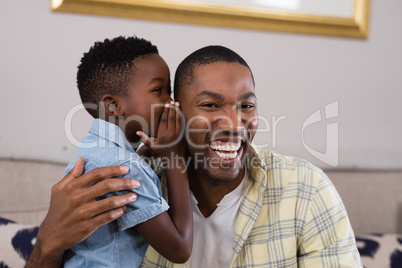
(225, 16)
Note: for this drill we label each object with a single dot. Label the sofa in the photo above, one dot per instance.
(372, 198)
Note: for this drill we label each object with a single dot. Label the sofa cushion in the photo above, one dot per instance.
(16, 242)
(380, 250)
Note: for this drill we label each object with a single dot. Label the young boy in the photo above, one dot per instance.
(125, 85)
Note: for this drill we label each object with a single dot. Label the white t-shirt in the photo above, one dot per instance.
(213, 236)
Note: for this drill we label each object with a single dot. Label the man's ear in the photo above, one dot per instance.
(112, 105)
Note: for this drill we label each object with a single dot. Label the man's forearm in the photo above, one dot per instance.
(42, 258)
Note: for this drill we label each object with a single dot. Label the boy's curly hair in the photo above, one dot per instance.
(108, 67)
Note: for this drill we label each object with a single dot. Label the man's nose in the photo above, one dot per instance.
(231, 121)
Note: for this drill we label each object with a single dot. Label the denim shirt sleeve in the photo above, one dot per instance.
(149, 203)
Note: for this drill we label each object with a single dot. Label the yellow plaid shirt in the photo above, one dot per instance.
(290, 216)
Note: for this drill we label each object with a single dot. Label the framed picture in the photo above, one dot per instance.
(345, 18)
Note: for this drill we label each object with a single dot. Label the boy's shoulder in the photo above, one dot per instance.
(112, 156)
(106, 145)
(100, 152)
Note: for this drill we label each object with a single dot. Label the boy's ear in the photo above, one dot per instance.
(112, 105)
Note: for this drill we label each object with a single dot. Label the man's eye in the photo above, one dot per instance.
(209, 105)
(247, 106)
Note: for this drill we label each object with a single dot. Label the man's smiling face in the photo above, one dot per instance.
(220, 109)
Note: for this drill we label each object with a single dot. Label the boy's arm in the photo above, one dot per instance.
(74, 214)
(171, 232)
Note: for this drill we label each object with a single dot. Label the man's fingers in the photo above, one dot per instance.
(112, 202)
(110, 185)
(78, 167)
(75, 172)
(107, 217)
(101, 173)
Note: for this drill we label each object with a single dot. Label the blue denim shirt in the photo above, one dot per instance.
(116, 244)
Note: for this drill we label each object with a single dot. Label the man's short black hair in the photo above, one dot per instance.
(108, 67)
(206, 55)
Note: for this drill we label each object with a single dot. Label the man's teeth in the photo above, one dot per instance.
(226, 155)
(226, 147)
(227, 150)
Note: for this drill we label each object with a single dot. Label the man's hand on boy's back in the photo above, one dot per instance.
(169, 141)
(74, 213)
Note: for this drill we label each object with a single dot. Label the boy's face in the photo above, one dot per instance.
(148, 91)
(220, 109)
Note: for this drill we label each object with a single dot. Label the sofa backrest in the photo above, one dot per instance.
(373, 199)
(25, 189)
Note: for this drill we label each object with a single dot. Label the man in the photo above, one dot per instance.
(250, 208)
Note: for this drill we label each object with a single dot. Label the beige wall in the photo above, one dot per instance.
(295, 76)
